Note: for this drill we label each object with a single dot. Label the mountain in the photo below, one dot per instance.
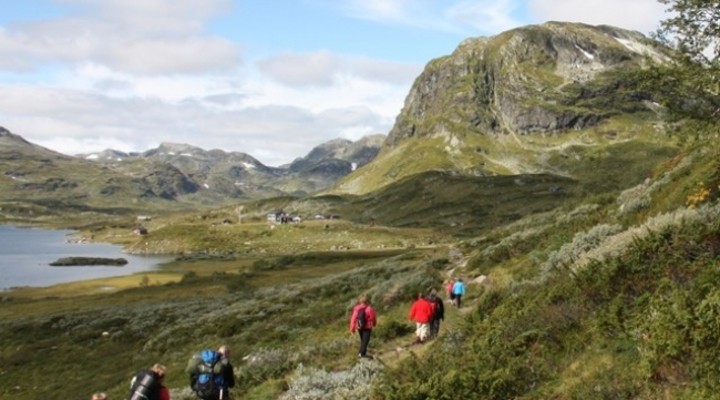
(524, 101)
(236, 175)
(356, 154)
(106, 156)
(38, 181)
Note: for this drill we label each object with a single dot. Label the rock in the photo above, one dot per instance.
(481, 280)
(88, 261)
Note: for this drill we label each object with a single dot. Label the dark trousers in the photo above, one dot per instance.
(434, 328)
(364, 341)
(458, 299)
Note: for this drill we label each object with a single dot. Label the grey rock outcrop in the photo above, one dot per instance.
(542, 78)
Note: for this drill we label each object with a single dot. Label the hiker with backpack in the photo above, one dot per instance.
(438, 315)
(148, 384)
(421, 312)
(211, 374)
(228, 371)
(363, 320)
(458, 291)
(449, 290)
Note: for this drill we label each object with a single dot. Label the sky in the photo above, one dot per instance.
(270, 78)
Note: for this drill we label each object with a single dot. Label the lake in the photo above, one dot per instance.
(26, 252)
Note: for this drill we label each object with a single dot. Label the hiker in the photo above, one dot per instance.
(211, 374)
(438, 315)
(228, 371)
(99, 396)
(458, 292)
(449, 290)
(363, 320)
(421, 312)
(148, 384)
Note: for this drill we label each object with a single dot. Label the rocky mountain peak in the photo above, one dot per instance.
(172, 149)
(105, 155)
(11, 141)
(9, 136)
(526, 80)
(351, 155)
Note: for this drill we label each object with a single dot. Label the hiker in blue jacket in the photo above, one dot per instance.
(458, 291)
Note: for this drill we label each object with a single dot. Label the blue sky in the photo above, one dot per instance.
(271, 78)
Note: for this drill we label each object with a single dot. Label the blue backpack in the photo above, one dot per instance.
(209, 381)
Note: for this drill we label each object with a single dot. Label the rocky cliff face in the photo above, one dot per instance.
(543, 78)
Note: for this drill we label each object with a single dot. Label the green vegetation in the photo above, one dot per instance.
(592, 259)
(599, 296)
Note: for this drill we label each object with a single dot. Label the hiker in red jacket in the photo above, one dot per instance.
(363, 320)
(421, 312)
(449, 290)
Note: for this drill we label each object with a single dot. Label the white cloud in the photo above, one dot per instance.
(323, 68)
(390, 10)
(139, 37)
(75, 122)
(314, 69)
(153, 16)
(640, 15)
(487, 16)
(466, 17)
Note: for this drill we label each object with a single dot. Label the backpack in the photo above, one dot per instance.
(209, 381)
(361, 318)
(144, 386)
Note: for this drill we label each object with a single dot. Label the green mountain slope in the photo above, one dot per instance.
(39, 183)
(515, 102)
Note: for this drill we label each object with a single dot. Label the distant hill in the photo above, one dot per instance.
(37, 182)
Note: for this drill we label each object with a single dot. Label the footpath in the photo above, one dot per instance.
(393, 352)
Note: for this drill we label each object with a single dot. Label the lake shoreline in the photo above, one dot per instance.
(28, 251)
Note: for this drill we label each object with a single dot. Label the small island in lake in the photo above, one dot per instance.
(88, 261)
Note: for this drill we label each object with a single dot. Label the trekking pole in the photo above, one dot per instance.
(222, 394)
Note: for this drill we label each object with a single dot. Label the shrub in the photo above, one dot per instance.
(392, 329)
(262, 365)
(583, 242)
(189, 276)
(314, 384)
